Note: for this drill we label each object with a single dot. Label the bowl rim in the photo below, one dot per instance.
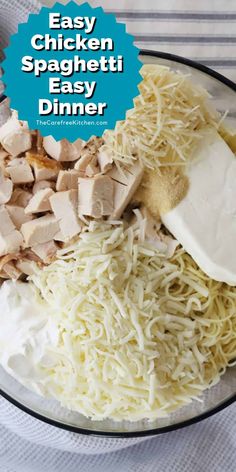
(189, 62)
(182, 424)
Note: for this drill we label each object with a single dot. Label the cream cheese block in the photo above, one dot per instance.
(204, 222)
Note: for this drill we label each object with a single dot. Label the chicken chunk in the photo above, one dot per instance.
(42, 173)
(96, 196)
(120, 174)
(10, 239)
(20, 197)
(42, 184)
(86, 162)
(6, 224)
(44, 168)
(65, 208)
(6, 188)
(92, 146)
(4, 159)
(20, 171)
(8, 268)
(92, 168)
(45, 251)
(39, 143)
(25, 266)
(63, 150)
(12, 271)
(59, 237)
(40, 230)
(3, 154)
(18, 215)
(15, 136)
(30, 256)
(40, 201)
(126, 185)
(105, 159)
(67, 180)
(87, 165)
(8, 258)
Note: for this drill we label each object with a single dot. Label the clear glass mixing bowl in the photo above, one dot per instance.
(215, 399)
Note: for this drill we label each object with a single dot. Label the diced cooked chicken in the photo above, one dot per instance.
(42, 184)
(126, 185)
(3, 154)
(44, 168)
(4, 158)
(20, 197)
(25, 266)
(63, 150)
(39, 143)
(96, 196)
(6, 188)
(92, 168)
(87, 165)
(67, 180)
(59, 237)
(42, 173)
(105, 159)
(4, 261)
(40, 201)
(82, 164)
(3, 275)
(15, 136)
(45, 251)
(93, 144)
(18, 215)
(6, 224)
(40, 230)
(120, 174)
(12, 271)
(30, 256)
(65, 208)
(10, 239)
(20, 171)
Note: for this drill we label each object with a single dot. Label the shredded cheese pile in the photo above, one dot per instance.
(139, 334)
(166, 121)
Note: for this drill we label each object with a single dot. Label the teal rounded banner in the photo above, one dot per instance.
(71, 71)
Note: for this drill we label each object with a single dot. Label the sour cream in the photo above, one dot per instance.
(27, 331)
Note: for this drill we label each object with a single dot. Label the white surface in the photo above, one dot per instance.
(204, 221)
(210, 445)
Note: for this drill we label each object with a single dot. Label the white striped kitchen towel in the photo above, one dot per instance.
(201, 30)
(197, 29)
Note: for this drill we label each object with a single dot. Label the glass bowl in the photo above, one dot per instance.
(213, 400)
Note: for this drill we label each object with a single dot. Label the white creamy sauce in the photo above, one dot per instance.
(204, 222)
(26, 331)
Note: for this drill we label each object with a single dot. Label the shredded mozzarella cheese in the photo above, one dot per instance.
(139, 334)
